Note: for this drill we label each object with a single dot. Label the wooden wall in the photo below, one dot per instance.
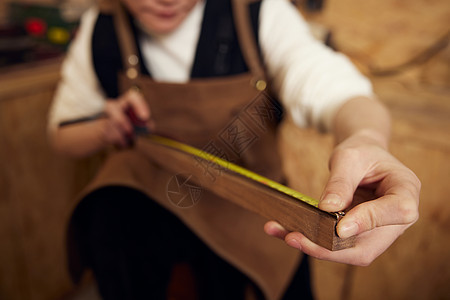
(36, 188)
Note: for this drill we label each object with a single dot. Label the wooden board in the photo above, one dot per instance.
(293, 214)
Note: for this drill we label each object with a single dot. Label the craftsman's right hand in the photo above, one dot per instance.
(379, 194)
(117, 126)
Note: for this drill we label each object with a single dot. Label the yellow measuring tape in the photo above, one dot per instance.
(234, 168)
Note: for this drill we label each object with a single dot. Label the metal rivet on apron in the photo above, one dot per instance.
(136, 88)
(260, 85)
(132, 73)
(133, 60)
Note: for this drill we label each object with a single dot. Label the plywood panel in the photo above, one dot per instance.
(385, 33)
(37, 209)
(36, 191)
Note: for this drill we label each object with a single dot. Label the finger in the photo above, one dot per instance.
(137, 102)
(345, 176)
(274, 229)
(368, 246)
(117, 116)
(302, 243)
(113, 135)
(397, 204)
(400, 208)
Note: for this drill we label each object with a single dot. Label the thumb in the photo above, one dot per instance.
(345, 177)
(392, 208)
(138, 104)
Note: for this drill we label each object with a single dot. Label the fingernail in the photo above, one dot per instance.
(347, 229)
(277, 227)
(331, 200)
(294, 243)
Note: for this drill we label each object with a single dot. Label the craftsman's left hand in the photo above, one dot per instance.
(360, 164)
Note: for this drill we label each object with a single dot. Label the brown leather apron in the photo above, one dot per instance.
(232, 117)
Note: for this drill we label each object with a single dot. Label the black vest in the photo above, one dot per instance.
(218, 51)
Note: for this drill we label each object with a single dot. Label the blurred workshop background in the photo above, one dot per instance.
(401, 45)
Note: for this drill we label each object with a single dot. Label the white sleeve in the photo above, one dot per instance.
(311, 80)
(79, 93)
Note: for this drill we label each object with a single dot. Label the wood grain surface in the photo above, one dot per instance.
(293, 214)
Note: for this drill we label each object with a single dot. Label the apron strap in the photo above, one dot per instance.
(127, 45)
(246, 38)
(248, 44)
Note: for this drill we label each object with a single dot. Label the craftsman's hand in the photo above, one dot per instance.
(360, 164)
(83, 139)
(117, 127)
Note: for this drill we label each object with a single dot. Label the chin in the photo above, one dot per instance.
(159, 26)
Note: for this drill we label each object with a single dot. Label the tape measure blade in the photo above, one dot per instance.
(235, 168)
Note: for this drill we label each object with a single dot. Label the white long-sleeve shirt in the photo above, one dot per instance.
(311, 80)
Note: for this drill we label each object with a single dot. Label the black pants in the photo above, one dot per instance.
(131, 243)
